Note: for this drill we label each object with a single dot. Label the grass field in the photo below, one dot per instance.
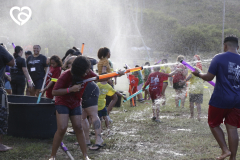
(136, 137)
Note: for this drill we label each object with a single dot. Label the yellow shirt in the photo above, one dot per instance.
(196, 83)
(105, 89)
(165, 69)
(101, 63)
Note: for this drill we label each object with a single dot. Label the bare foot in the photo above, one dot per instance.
(52, 158)
(224, 155)
(4, 148)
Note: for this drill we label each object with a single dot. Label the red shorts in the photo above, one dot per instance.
(155, 93)
(230, 116)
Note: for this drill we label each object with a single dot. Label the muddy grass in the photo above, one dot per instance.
(134, 136)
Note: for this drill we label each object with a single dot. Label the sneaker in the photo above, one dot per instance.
(157, 120)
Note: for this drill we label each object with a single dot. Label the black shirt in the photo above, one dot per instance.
(16, 71)
(36, 66)
(5, 57)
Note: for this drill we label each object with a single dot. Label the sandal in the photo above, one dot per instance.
(86, 144)
(98, 147)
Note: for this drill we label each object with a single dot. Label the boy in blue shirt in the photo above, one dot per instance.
(225, 100)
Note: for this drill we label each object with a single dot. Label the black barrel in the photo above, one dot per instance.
(30, 120)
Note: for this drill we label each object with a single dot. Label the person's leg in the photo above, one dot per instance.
(163, 92)
(183, 96)
(199, 111)
(21, 88)
(86, 127)
(233, 140)
(157, 111)
(3, 119)
(191, 109)
(14, 88)
(62, 123)
(92, 112)
(154, 109)
(9, 91)
(76, 122)
(107, 124)
(177, 97)
(219, 136)
(215, 118)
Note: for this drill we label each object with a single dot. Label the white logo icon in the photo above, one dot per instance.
(22, 21)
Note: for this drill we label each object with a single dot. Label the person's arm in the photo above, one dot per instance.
(60, 92)
(29, 80)
(8, 77)
(185, 81)
(205, 76)
(112, 103)
(174, 72)
(120, 95)
(11, 63)
(146, 84)
(50, 84)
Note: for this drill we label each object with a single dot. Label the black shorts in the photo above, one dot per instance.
(90, 95)
(38, 83)
(61, 109)
(166, 82)
(102, 113)
(3, 112)
(178, 86)
(196, 98)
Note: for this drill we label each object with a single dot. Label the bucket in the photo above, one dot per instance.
(27, 119)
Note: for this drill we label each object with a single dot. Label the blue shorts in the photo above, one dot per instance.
(102, 112)
(8, 85)
(61, 109)
(38, 83)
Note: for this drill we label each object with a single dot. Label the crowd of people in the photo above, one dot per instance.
(89, 104)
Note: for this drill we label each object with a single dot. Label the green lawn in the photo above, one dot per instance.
(135, 136)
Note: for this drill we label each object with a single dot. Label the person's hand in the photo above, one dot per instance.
(196, 73)
(121, 73)
(75, 88)
(30, 84)
(143, 89)
(124, 97)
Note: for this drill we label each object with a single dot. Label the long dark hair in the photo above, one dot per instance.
(57, 60)
(79, 67)
(70, 51)
(17, 49)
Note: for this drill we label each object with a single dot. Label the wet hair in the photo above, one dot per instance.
(180, 57)
(157, 68)
(137, 66)
(231, 40)
(136, 72)
(165, 60)
(77, 53)
(103, 52)
(28, 53)
(57, 60)
(70, 51)
(75, 48)
(79, 67)
(17, 49)
(147, 63)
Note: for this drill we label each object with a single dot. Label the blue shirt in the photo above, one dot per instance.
(226, 67)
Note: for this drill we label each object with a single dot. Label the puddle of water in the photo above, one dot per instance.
(162, 151)
(189, 130)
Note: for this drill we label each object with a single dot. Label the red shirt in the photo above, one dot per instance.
(53, 73)
(155, 80)
(134, 83)
(179, 75)
(71, 100)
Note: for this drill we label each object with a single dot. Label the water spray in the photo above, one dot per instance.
(193, 69)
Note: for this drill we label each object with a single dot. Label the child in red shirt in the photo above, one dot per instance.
(155, 82)
(54, 72)
(133, 83)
